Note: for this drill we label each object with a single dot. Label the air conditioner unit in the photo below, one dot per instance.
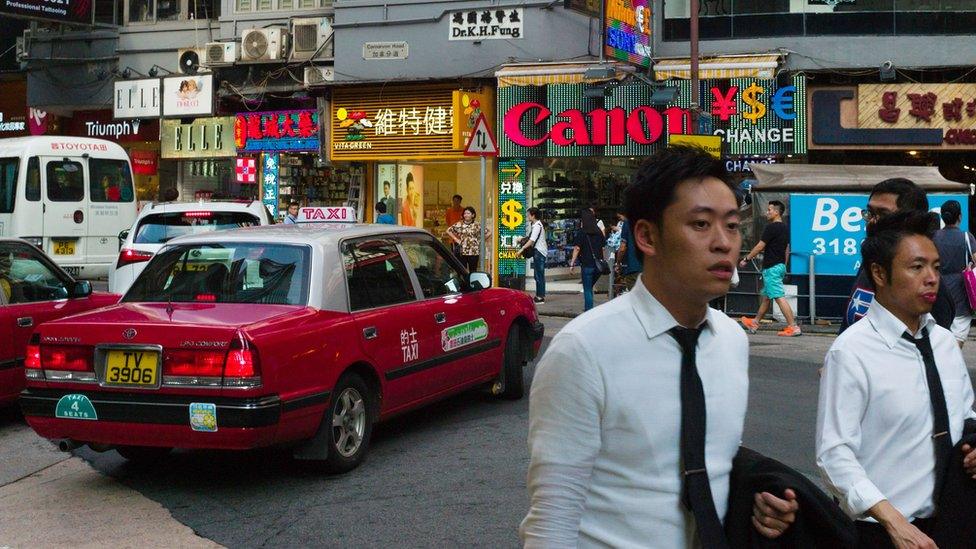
(220, 53)
(318, 76)
(311, 36)
(269, 44)
(188, 60)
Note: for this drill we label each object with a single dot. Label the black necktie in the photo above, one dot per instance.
(940, 416)
(696, 491)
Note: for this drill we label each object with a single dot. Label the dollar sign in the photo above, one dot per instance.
(512, 216)
(757, 110)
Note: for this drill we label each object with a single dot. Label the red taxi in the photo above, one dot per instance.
(33, 290)
(277, 334)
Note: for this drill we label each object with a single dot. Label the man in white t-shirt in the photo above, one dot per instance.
(537, 239)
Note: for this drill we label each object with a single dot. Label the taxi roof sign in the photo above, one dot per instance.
(326, 214)
(482, 141)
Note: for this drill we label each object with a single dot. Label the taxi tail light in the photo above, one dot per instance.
(242, 359)
(128, 256)
(193, 363)
(75, 358)
(32, 360)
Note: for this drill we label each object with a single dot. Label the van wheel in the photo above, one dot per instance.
(143, 454)
(351, 416)
(513, 364)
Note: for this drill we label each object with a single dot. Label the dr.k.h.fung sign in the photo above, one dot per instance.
(831, 228)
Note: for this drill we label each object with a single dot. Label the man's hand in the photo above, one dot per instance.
(906, 536)
(771, 515)
(743, 263)
(969, 460)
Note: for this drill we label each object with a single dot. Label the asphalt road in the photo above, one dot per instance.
(449, 475)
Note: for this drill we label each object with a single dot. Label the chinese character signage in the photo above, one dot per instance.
(398, 122)
(203, 138)
(831, 228)
(277, 131)
(60, 11)
(511, 216)
(485, 24)
(896, 116)
(628, 31)
(386, 50)
(269, 182)
(188, 95)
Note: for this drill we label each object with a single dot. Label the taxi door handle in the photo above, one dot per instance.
(440, 318)
(369, 333)
(25, 322)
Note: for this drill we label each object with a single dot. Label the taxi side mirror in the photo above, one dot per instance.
(82, 288)
(479, 281)
(122, 236)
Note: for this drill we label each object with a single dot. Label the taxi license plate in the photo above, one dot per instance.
(64, 247)
(128, 368)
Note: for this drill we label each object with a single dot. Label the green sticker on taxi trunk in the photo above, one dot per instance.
(75, 407)
(458, 336)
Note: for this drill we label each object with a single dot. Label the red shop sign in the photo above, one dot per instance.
(144, 162)
(643, 125)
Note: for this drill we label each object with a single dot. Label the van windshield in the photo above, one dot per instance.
(163, 227)
(8, 184)
(234, 272)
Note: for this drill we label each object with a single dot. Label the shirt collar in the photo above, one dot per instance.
(888, 325)
(653, 316)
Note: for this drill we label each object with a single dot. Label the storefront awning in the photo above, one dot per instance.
(817, 178)
(725, 66)
(540, 74)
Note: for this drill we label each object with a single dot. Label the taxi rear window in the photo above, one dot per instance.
(225, 273)
(163, 227)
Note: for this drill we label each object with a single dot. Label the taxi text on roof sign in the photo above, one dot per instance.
(318, 214)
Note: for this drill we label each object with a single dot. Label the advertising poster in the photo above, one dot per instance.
(187, 96)
(386, 188)
(410, 189)
(628, 31)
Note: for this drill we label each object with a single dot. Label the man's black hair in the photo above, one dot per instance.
(951, 211)
(293, 203)
(536, 213)
(886, 234)
(780, 207)
(658, 177)
(458, 197)
(381, 207)
(409, 178)
(910, 195)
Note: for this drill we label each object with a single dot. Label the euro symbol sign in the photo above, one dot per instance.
(757, 109)
(783, 103)
(512, 214)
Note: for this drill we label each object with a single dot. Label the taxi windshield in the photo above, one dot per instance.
(163, 227)
(237, 272)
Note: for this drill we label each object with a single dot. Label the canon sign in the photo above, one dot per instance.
(643, 125)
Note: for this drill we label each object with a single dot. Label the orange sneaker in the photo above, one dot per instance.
(790, 331)
(750, 324)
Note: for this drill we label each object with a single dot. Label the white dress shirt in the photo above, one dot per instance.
(605, 422)
(874, 418)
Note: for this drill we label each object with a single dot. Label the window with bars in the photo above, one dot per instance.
(248, 6)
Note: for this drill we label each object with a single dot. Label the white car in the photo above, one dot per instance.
(159, 223)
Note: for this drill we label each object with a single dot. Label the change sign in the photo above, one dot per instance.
(830, 228)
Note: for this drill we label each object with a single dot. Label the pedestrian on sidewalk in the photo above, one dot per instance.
(536, 241)
(620, 457)
(894, 395)
(588, 249)
(774, 244)
(465, 234)
(382, 216)
(956, 249)
(888, 197)
(628, 265)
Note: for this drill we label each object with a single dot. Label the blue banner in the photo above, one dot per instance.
(831, 228)
(269, 182)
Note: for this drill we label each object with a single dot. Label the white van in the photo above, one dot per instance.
(69, 196)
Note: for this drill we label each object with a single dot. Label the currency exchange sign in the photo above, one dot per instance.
(511, 224)
(830, 227)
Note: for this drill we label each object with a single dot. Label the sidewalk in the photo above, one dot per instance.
(564, 299)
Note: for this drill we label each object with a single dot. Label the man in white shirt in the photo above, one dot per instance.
(632, 433)
(894, 393)
(536, 240)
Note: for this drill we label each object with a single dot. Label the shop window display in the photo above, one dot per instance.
(301, 180)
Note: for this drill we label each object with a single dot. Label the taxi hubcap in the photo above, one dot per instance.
(349, 422)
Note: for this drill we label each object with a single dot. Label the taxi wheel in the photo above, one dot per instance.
(142, 454)
(351, 418)
(513, 364)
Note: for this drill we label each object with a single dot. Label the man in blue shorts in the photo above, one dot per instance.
(774, 245)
